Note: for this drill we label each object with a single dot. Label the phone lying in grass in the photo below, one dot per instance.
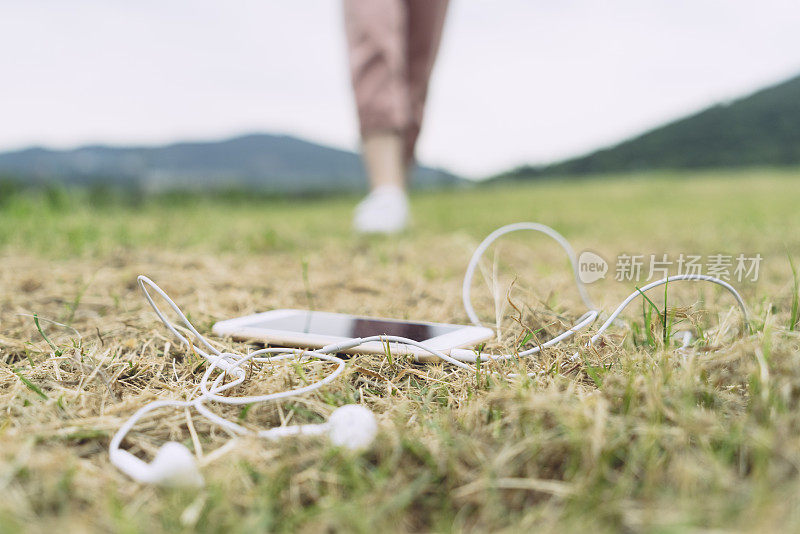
(315, 329)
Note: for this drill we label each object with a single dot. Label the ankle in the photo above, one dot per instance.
(388, 189)
(383, 159)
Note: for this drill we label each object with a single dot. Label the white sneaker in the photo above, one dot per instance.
(383, 211)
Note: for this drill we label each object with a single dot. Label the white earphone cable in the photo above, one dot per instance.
(352, 425)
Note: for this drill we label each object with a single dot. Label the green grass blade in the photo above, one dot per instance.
(41, 332)
(794, 314)
(31, 386)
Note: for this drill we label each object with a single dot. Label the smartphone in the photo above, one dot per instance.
(316, 329)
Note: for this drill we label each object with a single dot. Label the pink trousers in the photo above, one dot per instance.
(392, 46)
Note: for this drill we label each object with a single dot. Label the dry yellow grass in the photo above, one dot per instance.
(633, 437)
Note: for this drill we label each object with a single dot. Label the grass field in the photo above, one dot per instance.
(636, 436)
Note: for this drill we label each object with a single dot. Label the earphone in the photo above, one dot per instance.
(352, 427)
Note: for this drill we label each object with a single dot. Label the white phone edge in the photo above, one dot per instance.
(237, 328)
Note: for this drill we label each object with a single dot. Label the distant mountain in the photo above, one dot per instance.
(274, 163)
(760, 129)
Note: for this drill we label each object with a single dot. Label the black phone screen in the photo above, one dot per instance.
(338, 325)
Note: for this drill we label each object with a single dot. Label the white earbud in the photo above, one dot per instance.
(352, 426)
(174, 465)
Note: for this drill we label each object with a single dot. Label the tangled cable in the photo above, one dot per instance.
(351, 426)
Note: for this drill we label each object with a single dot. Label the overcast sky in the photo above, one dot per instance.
(517, 81)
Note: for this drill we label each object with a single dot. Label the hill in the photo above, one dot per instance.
(762, 129)
(275, 163)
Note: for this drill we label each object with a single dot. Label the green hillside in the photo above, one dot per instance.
(762, 129)
(255, 162)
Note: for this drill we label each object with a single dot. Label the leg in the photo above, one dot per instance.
(376, 36)
(424, 30)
